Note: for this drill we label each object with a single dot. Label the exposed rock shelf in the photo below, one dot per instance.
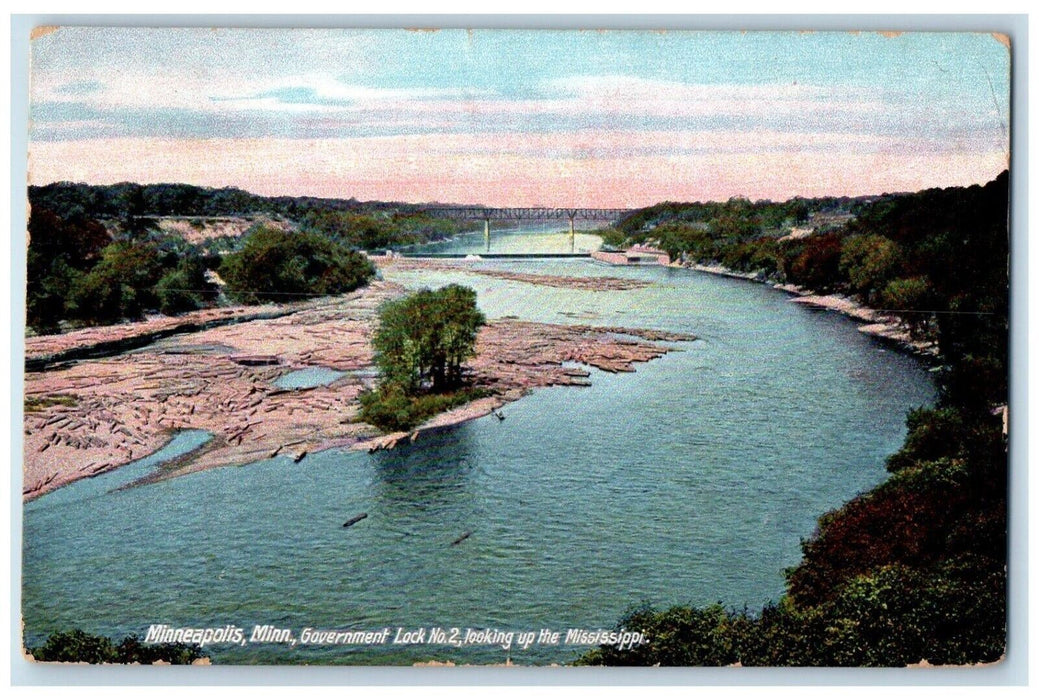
(98, 414)
(599, 284)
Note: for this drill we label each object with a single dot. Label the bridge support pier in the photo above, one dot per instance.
(487, 234)
(571, 233)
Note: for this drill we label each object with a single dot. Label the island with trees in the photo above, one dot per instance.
(420, 346)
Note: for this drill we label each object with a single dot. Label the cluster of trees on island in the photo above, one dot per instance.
(420, 345)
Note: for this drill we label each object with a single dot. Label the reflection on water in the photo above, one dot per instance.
(432, 478)
(692, 480)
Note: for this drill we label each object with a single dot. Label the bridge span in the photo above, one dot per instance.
(525, 213)
(488, 214)
(495, 256)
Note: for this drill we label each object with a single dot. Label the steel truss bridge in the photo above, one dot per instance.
(525, 213)
(489, 214)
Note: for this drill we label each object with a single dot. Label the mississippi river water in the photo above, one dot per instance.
(690, 481)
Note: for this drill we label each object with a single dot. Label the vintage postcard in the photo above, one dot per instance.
(506, 347)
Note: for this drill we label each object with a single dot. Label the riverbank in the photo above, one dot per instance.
(886, 327)
(95, 415)
(90, 416)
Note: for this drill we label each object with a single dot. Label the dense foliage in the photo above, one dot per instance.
(424, 338)
(127, 199)
(389, 407)
(280, 266)
(375, 232)
(365, 225)
(914, 569)
(58, 257)
(422, 341)
(938, 258)
(78, 646)
(79, 273)
(75, 278)
(738, 216)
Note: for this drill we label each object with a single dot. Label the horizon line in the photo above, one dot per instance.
(435, 203)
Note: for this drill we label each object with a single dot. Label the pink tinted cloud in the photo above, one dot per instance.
(593, 168)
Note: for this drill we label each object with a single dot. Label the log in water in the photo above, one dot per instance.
(354, 520)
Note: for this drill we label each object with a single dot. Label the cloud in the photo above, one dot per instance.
(321, 92)
(209, 93)
(79, 87)
(507, 117)
(317, 105)
(501, 170)
(671, 97)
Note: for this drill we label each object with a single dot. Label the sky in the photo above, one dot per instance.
(559, 118)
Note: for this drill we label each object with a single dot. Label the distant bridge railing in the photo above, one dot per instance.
(525, 213)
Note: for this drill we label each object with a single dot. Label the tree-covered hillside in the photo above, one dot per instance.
(97, 254)
(916, 568)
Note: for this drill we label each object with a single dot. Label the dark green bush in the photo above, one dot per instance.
(77, 646)
(282, 266)
(390, 408)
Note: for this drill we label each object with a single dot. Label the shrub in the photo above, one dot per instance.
(612, 238)
(390, 408)
(276, 265)
(120, 286)
(76, 646)
(184, 288)
(869, 262)
(679, 636)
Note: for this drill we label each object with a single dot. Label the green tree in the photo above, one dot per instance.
(679, 636)
(869, 262)
(60, 252)
(185, 287)
(913, 298)
(424, 338)
(120, 286)
(814, 262)
(678, 238)
(76, 646)
(612, 238)
(276, 265)
(132, 206)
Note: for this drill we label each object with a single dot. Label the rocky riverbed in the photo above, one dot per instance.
(468, 266)
(89, 416)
